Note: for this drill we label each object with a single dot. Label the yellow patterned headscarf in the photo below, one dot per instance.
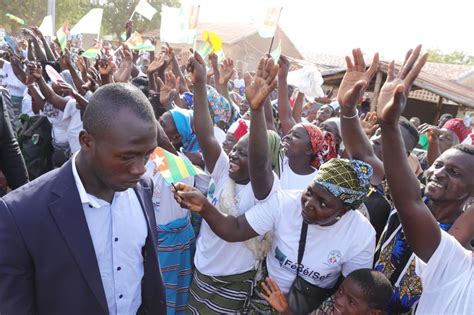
(348, 180)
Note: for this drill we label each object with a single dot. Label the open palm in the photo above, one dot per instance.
(356, 78)
(258, 88)
(392, 97)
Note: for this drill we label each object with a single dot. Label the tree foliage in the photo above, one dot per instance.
(116, 13)
(456, 57)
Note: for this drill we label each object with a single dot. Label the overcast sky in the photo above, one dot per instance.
(336, 26)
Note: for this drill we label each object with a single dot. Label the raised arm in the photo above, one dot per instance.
(284, 109)
(47, 48)
(297, 110)
(227, 227)
(57, 101)
(420, 227)
(78, 82)
(433, 133)
(352, 87)
(210, 147)
(260, 161)
(463, 227)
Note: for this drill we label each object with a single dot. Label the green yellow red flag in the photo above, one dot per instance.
(172, 167)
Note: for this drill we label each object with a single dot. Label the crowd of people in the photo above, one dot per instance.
(301, 207)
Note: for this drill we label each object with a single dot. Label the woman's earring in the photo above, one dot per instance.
(338, 218)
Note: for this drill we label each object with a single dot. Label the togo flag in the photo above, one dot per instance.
(173, 168)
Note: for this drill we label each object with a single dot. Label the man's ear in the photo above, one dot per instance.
(86, 140)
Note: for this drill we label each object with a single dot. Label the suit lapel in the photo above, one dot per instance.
(69, 216)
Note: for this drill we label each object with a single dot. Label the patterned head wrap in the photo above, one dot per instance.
(219, 105)
(323, 145)
(458, 127)
(348, 180)
(183, 119)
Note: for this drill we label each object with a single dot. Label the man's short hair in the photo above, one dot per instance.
(466, 148)
(108, 100)
(375, 286)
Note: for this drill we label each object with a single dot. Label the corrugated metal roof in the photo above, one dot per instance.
(451, 90)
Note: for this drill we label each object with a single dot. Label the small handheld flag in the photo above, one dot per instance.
(15, 18)
(173, 168)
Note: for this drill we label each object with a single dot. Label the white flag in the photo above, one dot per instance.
(145, 9)
(268, 24)
(89, 24)
(46, 26)
(175, 25)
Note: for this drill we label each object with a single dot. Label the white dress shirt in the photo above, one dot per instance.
(118, 231)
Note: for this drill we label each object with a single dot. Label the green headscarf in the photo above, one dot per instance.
(274, 145)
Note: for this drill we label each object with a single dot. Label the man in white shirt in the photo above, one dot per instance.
(446, 269)
(81, 239)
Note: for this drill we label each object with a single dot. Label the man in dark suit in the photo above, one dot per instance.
(11, 160)
(82, 239)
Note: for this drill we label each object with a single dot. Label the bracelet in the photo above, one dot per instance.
(351, 117)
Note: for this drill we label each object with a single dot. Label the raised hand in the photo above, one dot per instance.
(197, 68)
(273, 295)
(65, 88)
(66, 59)
(167, 89)
(215, 67)
(107, 66)
(392, 97)
(355, 80)
(369, 123)
(284, 67)
(127, 54)
(259, 87)
(432, 132)
(37, 71)
(37, 32)
(227, 70)
(190, 198)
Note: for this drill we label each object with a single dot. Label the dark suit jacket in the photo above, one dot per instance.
(47, 259)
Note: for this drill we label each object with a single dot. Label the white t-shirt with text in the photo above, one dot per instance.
(343, 247)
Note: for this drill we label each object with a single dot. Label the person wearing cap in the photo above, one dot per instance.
(339, 240)
(453, 132)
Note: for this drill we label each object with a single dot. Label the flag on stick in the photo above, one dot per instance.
(92, 52)
(178, 25)
(173, 168)
(15, 18)
(145, 9)
(89, 23)
(46, 26)
(268, 26)
(61, 35)
(134, 41)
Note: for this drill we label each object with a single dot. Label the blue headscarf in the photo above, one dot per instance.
(183, 119)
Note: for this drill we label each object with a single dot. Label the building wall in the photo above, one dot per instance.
(426, 111)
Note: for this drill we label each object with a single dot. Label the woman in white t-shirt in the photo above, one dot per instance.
(305, 146)
(225, 271)
(339, 239)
